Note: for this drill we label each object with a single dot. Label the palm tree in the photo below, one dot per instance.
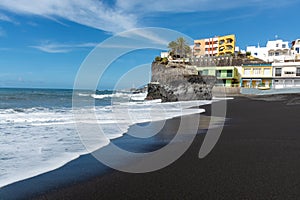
(173, 46)
(180, 47)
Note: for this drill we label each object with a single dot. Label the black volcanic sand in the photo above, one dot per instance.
(256, 157)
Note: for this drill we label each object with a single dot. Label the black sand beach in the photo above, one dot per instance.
(256, 157)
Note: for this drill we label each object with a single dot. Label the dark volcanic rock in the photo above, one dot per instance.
(179, 83)
(156, 91)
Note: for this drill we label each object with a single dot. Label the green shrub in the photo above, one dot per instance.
(158, 59)
(164, 61)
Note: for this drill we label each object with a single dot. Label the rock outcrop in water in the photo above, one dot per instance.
(179, 82)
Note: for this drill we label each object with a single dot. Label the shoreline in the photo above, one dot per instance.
(86, 166)
(256, 157)
(62, 163)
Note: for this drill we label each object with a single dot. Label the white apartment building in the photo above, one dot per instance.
(286, 75)
(295, 49)
(164, 54)
(275, 51)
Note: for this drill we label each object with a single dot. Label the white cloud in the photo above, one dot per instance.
(92, 13)
(176, 6)
(51, 47)
(146, 35)
(5, 18)
(123, 14)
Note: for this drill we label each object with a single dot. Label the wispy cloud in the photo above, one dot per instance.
(5, 18)
(52, 47)
(92, 13)
(175, 6)
(120, 15)
(146, 35)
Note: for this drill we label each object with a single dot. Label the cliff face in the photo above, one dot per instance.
(178, 82)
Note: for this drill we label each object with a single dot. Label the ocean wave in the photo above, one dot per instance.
(138, 96)
(114, 95)
(48, 138)
(23, 110)
(84, 94)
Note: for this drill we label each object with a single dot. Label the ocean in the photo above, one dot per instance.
(38, 131)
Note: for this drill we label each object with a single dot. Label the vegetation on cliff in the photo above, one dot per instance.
(179, 48)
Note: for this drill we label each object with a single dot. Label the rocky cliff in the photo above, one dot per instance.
(179, 82)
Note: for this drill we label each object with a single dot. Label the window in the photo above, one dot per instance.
(277, 45)
(218, 73)
(289, 83)
(256, 71)
(298, 71)
(297, 83)
(197, 45)
(205, 72)
(267, 83)
(229, 40)
(247, 71)
(229, 47)
(284, 46)
(255, 53)
(267, 72)
(277, 53)
(229, 73)
(289, 72)
(297, 49)
(278, 72)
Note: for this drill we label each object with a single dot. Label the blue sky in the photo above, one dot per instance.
(44, 42)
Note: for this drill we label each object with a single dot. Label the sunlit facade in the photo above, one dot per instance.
(215, 46)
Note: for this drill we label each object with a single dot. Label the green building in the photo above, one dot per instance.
(227, 75)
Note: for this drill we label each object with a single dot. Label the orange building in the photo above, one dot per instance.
(219, 45)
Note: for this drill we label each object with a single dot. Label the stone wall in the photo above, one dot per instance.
(226, 60)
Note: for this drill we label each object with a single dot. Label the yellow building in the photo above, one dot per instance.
(255, 75)
(226, 45)
(216, 46)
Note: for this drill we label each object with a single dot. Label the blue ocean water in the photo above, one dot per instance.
(38, 132)
(19, 98)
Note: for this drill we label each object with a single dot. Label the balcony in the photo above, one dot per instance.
(224, 74)
(229, 40)
(229, 47)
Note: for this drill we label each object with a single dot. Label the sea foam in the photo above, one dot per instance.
(37, 140)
